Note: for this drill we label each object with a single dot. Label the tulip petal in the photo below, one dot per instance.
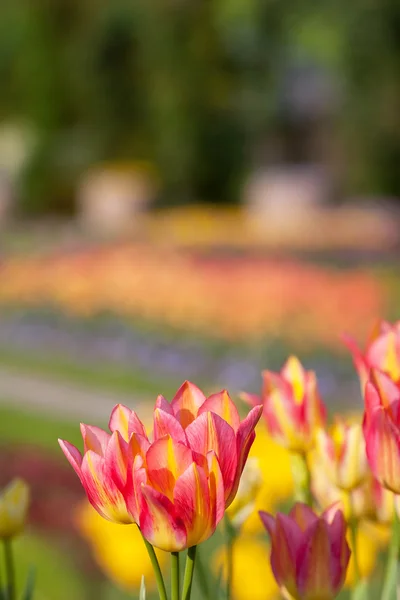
(383, 449)
(166, 460)
(134, 499)
(95, 439)
(210, 432)
(160, 523)
(286, 542)
(119, 420)
(389, 393)
(269, 522)
(101, 490)
(163, 404)
(314, 414)
(216, 483)
(244, 439)
(359, 360)
(222, 405)
(192, 502)
(303, 515)
(138, 445)
(384, 353)
(116, 460)
(187, 402)
(135, 425)
(293, 371)
(314, 574)
(340, 551)
(251, 399)
(167, 424)
(73, 456)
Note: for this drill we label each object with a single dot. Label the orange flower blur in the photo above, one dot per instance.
(176, 486)
(293, 410)
(310, 554)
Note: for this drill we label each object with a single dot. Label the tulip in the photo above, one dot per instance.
(382, 352)
(382, 429)
(356, 503)
(309, 554)
(292, 406)
(175, 485)
(342, 453)
(14, 504)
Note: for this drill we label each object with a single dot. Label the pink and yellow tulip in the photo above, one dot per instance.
(176, 484)
(342, 454)
(310, 554)
(382, 352)
(382, 429)
(293, 410)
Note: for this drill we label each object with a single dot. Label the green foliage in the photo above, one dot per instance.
(191, 86)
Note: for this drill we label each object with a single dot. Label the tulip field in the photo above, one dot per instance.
(254, 454)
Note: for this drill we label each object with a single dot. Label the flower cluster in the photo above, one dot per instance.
(178, 482)
(141, 281)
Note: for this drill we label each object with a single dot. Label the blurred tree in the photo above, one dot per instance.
(195, 87)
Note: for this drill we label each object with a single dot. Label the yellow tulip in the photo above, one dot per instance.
(14, 503)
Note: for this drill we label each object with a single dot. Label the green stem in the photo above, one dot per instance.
(353, 533)
(10, 571)
(391, 586)
(231, 534)
(157, 571)
(175, 576)
(189, 569)
(201, 575)
(229, 567)
(301, 477)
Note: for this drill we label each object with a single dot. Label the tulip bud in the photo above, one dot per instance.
(310, 554)
(14, 503)
(342, 454)
(293, 409)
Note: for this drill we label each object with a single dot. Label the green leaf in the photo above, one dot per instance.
(30, 584)
(142, 595)
(360, 592)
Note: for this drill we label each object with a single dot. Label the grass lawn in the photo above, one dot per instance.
(27, 427)
(104, 376)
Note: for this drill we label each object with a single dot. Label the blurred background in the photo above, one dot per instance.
(188, 190)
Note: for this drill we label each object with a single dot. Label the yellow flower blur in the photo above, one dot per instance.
(14, 504)
(118, 549)
(245, 501)
(252, 575)
(277, 480)
(369, 543)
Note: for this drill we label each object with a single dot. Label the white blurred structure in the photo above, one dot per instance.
(109, 198)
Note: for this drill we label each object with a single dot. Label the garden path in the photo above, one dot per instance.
(51, 396)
